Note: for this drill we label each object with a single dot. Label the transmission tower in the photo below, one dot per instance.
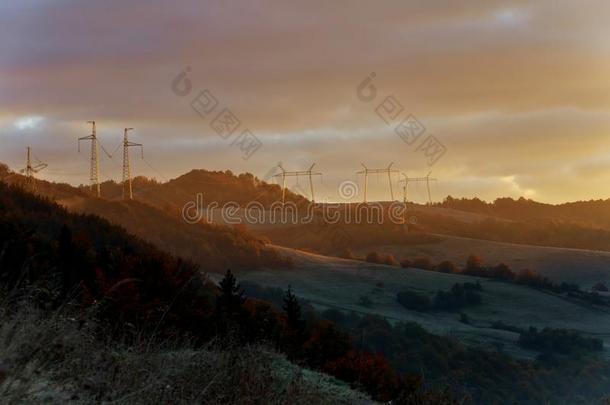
(95, 168)
(31, 168)
(368, 171)
(127, 189)
(406, 180)
(308, 173)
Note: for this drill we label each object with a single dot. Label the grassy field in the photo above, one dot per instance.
(582, 267)
(337, 283)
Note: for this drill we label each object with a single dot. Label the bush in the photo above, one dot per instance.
(459, 296)
(377, 258)
(347, 254)
(474, 263)
(390, 261)
(464, 318)
(365, 301)
(507, 327)
(561, 341)
(373, 257)
(502, 272)
(414, 301)
(532, 279)
(422, 263)
(406, 263)
(447, 267)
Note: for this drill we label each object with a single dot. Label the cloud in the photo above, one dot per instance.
(513, 88)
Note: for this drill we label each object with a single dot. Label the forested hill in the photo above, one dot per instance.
(214, 247)
(593, 213)
(216, 186)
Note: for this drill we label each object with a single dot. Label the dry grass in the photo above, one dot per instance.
(56, 358)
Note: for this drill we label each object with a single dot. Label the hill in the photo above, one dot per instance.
(593, 213)
(329, 282)
(75, 284)
(216, 186)
(215, 247)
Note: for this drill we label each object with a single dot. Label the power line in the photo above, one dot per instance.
(94, 168)
(368, 171)
(127, 188)
(308, 173)
(406, 180)
(32, 168)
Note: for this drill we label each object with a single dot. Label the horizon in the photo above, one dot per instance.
(514, 95)
(304, 195)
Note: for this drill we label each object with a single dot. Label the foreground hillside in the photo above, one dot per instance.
(72, 284)
(56, 361)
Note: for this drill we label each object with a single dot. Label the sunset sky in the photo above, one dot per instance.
(517, 92)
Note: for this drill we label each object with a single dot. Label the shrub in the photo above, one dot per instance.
(459, 296)
(561, 341)
(347, 254)
(365, 301)
(405, 263)
(422, 263)
(502, 272)
(414, 301)
(474, 263)
(507, 327)
(464, 318)
(532, 279)
(373, 257)
(377, 258)
(447, 267)
(390, 261)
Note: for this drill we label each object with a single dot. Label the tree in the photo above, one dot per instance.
(231, 295)
(474, 263)
(502, 272)
(447, 267)
(373, 257)
(293, 311)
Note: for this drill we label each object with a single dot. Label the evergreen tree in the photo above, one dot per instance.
(231, 296)
(293, 311)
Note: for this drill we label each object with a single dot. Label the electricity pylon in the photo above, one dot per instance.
(308, 173)
(407, 180)
(95, 168)
(30, 169)
(368, 171)
(127, 189)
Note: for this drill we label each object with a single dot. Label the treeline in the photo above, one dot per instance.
(537, 231)
(526, 277)
(458, 297)
(553, 341)
(216, 186)
(593, 213)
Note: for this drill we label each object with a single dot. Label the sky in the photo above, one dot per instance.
(502, 98)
